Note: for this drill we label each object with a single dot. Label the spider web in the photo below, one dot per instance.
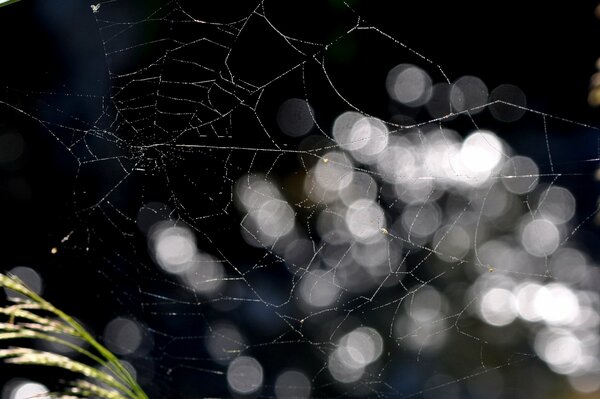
(272, 226)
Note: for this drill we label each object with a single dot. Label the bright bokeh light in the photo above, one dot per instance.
(363, 137)
(525, 295)
(409, 85)
(426, 305)
(480, 154)
(23, 389)
(376, 256)
(421, 220)
(362, 186)
(292, 384)
(268, 216)
(497, 307)
(343, 368)
(365, 219)
(356, 350)
(244, 375)
(561, 349)
(520, 175)
(174, 247)
(317, 288)
(556, 304)
(556, 204)
(397, 162)
(423, 326)
(205, 275)
(569, 265)
(332, 174)
(275, 218)
(364, 345)
(540, 237)
(451, 243)
(253, 190)
(372, 135)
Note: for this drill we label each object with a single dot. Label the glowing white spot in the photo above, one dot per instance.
(520, 175)
(426, 305)
(423, 327)
(356, 350)
(556, 204)
(342, 131)
(362, 186)
(364, 345)
(421, 336)
(122, 336)
(275, 218)
(368, 137)
(497, 307)
(556, 304)
(409, 85)
(397, 163)
(561, 349)
(292, 384)
(318, 289)
(174, 247)
(540, 237)
(421, 220)
(496, 252)
(374, 254)
(365, 219)
(569, 265)
(244, 375)
(525, 295)
(22, 389)
(451, 243)
(481, 152)
(335, 174)
(343, 368)
(295, 117)
(417, 190)
(252, 191)
(205, 274)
